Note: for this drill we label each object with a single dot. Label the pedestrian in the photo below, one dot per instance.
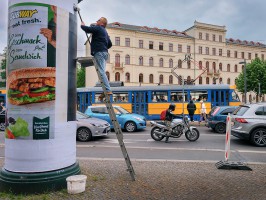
(203, 111)
(100, 44)
(191, 107)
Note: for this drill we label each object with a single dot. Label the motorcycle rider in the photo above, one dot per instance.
(168, 119)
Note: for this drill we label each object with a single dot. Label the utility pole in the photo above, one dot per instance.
(245, 79)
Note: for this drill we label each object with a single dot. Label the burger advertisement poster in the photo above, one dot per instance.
(31, 72)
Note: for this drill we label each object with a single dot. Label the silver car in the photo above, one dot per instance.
(89, 127)
(250, 123)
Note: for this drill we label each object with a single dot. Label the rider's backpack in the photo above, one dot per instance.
(163, 115)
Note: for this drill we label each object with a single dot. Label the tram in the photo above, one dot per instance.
(150, 101)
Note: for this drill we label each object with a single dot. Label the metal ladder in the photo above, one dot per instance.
(115, 123)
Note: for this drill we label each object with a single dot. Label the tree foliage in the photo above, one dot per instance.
(255, 74)
(80, 76)
(3, 67)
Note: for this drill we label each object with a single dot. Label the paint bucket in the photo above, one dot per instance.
(76, 184)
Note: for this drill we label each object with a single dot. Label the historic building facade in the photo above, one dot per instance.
(146, 56)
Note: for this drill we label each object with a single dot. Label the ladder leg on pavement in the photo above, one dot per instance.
(115, 123)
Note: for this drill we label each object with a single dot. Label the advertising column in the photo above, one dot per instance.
(40, 144)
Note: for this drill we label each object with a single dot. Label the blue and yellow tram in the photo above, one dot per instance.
(150, 101)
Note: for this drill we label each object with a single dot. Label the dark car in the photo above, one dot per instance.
(217, 117)
(2, 120)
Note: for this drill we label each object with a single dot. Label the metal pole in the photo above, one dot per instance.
(245, 80)
(259, 93)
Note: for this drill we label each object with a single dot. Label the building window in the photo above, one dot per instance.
(117, 41)
(249, 56)
(150, 45)
(108, 59)
(228, 53)
(235, 68)
(141, 44)
(220, 52)
(235, 54)
(214, 67)
(200, 49)
(141, 61)
(171, 64)
(188, 64)
(161, 79)
(151, 78)
(228, 67)
(200, 80)
(151, 61)
(220, 38)
(214, 80)
(188, 49)
(127, 42)
(179, 48)
(108, 75)
(161, 62)
(140, 78)
(179, 63)
(220, 66)
(243, 55)
(127, 60)
(170, 47)
(228, 81)
(117, 76)
(161, 46)
(200, 64)
(207, 50)
(214, 51)
(117, 60)
(262, 56)
(213, 38)
(256, 55)
(207, 36)
(200, 35)
(127, 77)
(207, 66)
(170, 79)
(221, 80)
(207, 80)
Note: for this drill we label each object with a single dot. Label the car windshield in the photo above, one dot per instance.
(80, 115)
(121, 110)
(240, 111)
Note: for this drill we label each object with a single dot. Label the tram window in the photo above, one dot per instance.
(235, 96)
(121, 97)
(198, 95)
(159, 96)
(178, 96)
(98, 99)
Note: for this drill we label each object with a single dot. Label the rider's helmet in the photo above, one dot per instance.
(172, 106)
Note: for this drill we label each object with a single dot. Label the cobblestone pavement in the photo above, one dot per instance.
(108, 179)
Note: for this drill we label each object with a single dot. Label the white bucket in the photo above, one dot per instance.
(76, 184)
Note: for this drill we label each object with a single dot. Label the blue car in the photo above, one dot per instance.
(128, 121)
(217, 117)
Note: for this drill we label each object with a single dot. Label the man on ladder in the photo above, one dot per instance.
(100, 44)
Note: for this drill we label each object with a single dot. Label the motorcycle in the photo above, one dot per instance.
(178, 128)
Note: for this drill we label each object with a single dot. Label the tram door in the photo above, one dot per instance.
(139, 103)
(219, 98)
(83, 101)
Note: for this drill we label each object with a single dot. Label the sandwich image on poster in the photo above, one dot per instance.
(31, 85)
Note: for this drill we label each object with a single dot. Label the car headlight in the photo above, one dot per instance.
(138, 118)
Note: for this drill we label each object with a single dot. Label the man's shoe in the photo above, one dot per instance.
(167, 140)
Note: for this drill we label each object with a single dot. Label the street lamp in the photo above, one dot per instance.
(245, 79)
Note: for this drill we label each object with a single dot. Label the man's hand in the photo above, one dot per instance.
(82, 23)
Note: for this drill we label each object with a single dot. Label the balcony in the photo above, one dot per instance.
(118, 66)
(212, 72)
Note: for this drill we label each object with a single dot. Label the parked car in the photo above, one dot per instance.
(89, 127)
(250, 123)
(2, 120)
(217, 118)
(128, 121)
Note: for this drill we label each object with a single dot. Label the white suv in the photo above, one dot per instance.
(250, 123)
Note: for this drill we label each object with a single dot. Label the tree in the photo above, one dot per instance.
(3, 67)
(80, 76)
(255, 74)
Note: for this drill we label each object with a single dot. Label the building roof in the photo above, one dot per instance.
(147, 29)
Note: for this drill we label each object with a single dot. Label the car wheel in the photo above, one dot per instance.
(258, 137)
(2, 126)
(220, 128)
(130, 126)
(84, 134)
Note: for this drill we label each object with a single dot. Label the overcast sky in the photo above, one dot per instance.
(244, 19)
